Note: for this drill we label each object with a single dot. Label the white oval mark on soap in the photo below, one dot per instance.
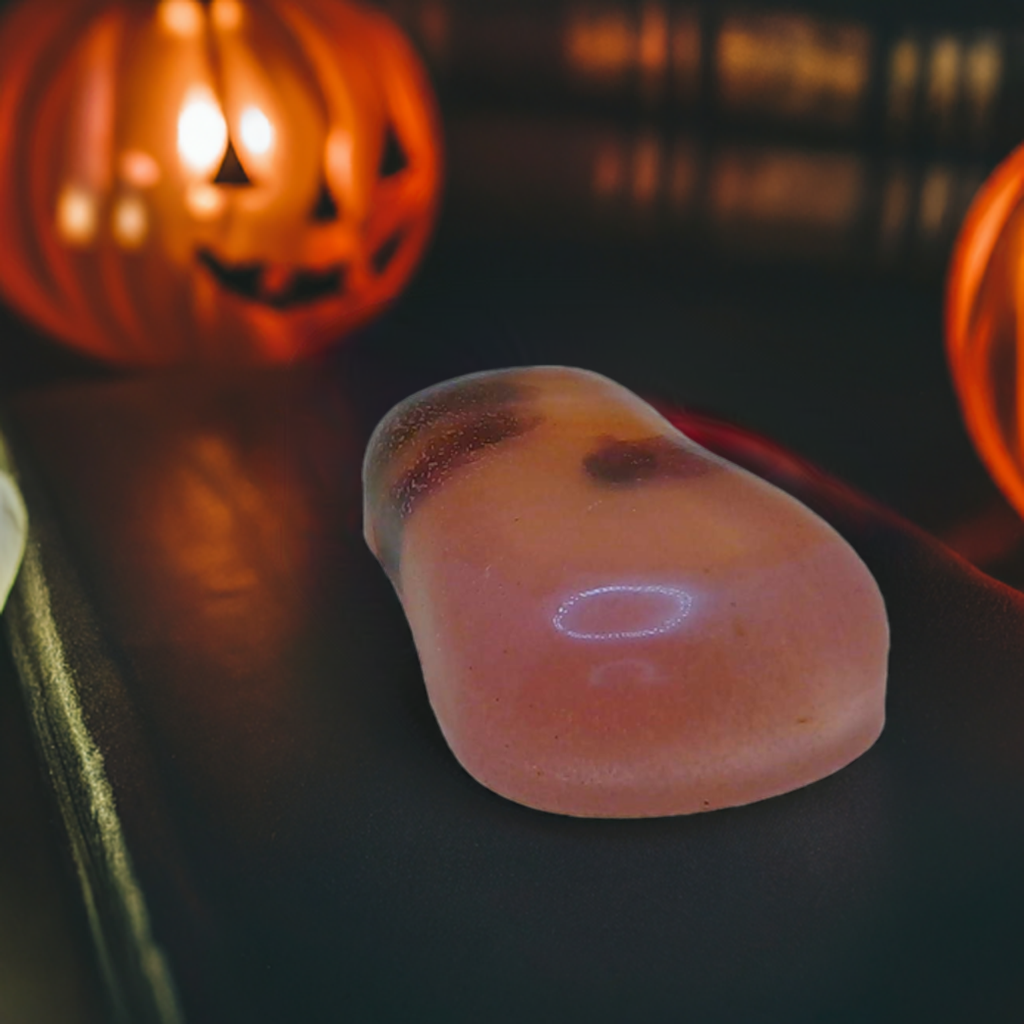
(573, 613)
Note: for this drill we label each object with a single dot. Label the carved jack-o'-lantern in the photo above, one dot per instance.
(985, 325)
(218, 181)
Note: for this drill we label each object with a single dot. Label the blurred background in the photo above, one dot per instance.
(747, 210)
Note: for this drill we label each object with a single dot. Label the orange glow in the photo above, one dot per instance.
(785, 186)
(202, 132)
(646, 170)
(130, 222)
(139, 169)
(983, 71)
(180, 17)
(944, 73)
(227, 14)
(609, 169)
(339, 158)
(792, 66)
(204, 201)
(985, 325)
(600, 47)
(76, 215)
(904, 68)
(280, 162)
(256, 130)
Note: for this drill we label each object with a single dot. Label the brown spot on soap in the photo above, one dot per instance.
(452, 403)
(457, 445)
(424, 421)
(650, 458)
(451, 449)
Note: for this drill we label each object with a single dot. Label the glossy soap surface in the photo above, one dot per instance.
(611, 620)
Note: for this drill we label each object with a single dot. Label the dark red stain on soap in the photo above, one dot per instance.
(626, 463)
(452, 446)
(453, 402)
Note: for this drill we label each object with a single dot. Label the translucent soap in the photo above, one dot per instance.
(611, 620)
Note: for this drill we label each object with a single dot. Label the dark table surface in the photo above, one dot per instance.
(844, 369)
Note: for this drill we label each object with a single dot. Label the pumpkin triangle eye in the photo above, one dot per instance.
(231, 170)
(325, 209)
(393, 160)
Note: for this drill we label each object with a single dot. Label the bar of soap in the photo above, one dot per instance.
(611, 620)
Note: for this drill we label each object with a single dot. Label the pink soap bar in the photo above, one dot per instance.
(612, 621)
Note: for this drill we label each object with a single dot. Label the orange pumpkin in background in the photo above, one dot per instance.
(210, 182)
(985, 325)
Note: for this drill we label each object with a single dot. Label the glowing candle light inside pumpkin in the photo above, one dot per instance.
(204, 201)
(227, 14)
(611, 621)
(130, 222)
(182, 18)
(76, 215)
(139, 169)
(202, 132)
(256, 130)
(984, 339)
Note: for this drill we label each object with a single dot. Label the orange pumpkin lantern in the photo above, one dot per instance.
(219, 181)
(985, 325)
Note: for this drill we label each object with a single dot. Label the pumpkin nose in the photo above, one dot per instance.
(231, 171)
(325, 209)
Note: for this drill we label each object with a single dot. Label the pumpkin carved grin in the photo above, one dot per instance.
(272, 284)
